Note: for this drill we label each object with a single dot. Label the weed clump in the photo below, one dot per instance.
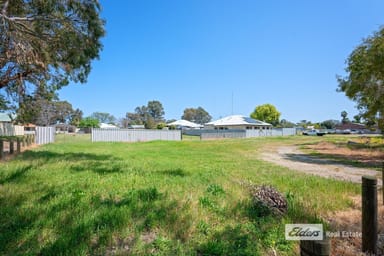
(268, 200)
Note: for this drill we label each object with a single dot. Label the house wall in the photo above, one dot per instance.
(241, 127)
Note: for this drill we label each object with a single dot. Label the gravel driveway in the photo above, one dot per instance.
(294, 159)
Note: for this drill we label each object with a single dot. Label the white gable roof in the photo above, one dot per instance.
(107, 126)
(238, 120)
(185, 123)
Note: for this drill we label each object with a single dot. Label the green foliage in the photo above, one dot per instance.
(266, 113)
(4, 103)
(365, 75)
(344, 118)
(197, 115)
(44, 108)
(286, 124)
(215, 189)
(89, 122)
(103, 117)
(155, 110)
(52, 41)
(161, 126)
(149, 115)
(329, 124)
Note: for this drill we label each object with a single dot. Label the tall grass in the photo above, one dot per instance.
(75, 197)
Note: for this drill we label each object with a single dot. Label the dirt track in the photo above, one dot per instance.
(292, 158)
(349, 219)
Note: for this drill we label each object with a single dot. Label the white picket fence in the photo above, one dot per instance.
(271, 132)
(130, 135)
(44, 135)
(216, 134)
(8, 129)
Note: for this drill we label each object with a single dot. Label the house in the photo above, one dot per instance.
(136, 126)
(238, 122)
(348, 128)
(5, 118)
(108, 126)
(64, 128)
(185, 124)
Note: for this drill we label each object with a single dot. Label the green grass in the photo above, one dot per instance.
(75, 197)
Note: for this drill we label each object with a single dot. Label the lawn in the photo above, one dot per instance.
(75, 197)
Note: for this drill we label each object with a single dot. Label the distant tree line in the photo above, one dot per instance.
(44, 108)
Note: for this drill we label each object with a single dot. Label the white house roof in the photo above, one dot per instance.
(107, 126)
(5, 117)
(238, 120)
(185, 123)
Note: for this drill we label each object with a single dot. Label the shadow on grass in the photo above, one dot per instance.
(49, 156)
(16, 175)
(174, 172)
(77, 223)
(98, 163)
(325, 159)
(236, 240)
(99, 167)
(15, 221)
(263, 232)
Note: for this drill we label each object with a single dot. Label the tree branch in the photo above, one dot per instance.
(5, 7)
(4, 82)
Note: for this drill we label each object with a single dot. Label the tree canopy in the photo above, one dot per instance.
(266, 113)
(103, 117)
(53, 41)
(344, 118)
(89, 122)
(197, 115)
(365, 77)
(149, 115)
(43, 111)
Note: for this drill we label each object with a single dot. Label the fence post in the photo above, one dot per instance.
(11, 147)
(1, 149)
(382, 179)
(369, 214)
(315, 248)
(18, 149)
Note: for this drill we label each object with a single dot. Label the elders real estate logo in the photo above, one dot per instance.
(304, 231)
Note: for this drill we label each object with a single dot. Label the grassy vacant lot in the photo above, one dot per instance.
(75, 197)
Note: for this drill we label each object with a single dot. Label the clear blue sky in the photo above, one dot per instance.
(205, 53)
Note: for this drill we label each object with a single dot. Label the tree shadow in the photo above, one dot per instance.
(174, 172)
(16, 175)
(230, 241)
(98, 163)
(81, 223)
(338, 159)
(15, 220)
(49, 156)
(99, 167)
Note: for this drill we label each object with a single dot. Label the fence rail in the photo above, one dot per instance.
(129, 135)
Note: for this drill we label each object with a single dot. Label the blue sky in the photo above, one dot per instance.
(227, 56)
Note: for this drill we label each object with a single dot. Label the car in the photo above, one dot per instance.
(313, 132)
